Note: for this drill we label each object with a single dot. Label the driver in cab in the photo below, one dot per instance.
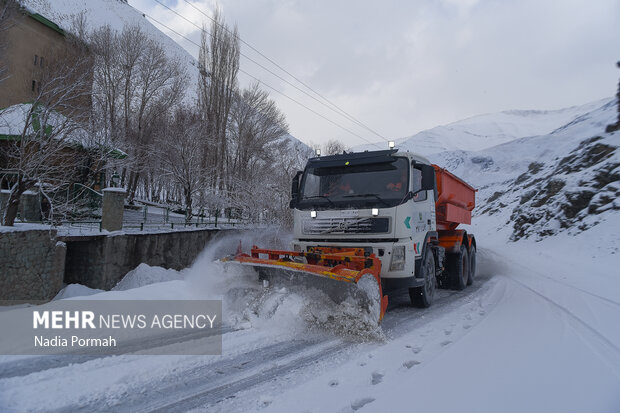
(399, 185)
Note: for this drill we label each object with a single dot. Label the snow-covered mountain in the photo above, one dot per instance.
(117, 14)
(488, 130)
(538, 172)
(564, 180)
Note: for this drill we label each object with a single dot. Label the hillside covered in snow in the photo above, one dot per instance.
(488, 130)
(117, 14)
(567, 180)
(538, 173)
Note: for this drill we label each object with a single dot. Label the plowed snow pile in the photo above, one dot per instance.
(144, 274)
(290, 309)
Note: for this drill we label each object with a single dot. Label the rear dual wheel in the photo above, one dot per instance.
(423, 296)
(459, 268)
(472, 265)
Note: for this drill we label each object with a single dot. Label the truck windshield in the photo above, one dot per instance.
(360, 186)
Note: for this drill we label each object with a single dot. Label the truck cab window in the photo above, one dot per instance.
(417, 185)
(382, 184)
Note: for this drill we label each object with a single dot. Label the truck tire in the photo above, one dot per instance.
(472, 265)
(458, 269)
(423, 296)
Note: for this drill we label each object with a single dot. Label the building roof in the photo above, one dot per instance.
(13, 123)
(46, 22)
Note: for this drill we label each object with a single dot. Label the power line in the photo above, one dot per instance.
(349, 116)
(337, 109)
(267, 85)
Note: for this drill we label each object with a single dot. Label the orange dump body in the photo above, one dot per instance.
(455, 200)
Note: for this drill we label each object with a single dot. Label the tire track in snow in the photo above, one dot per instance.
(588, 332)
(564, 284)
(202, 388)
(23, 367)
(214, 394)
(209, 383)
(184, 389)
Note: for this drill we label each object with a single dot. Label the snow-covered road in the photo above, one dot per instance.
(529, 335)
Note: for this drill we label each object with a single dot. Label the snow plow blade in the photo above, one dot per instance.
(339, 272)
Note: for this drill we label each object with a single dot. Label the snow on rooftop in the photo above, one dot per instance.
(13, 123)
(13, 118)
(112, 189)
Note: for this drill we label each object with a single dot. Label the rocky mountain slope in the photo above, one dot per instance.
(567, 180)
(488, 130)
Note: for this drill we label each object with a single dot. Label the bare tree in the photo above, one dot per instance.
(179, 151)
(255, 125)
(47, 134)
(134, 82)
(218, 64)
(107, 79)
(160, 83)
(293, 156)
(334, 147)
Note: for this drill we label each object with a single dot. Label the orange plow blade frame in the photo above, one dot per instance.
(348, 264)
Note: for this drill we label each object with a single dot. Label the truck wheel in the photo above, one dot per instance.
(423, 296)
(458, 269)
(472, 265)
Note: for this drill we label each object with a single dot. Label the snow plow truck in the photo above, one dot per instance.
(372, 222)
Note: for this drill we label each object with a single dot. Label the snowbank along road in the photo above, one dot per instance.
(532, 339)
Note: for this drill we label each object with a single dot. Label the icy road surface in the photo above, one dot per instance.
(531, 334)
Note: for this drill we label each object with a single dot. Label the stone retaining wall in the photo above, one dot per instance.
(32, 264)
(100, 261)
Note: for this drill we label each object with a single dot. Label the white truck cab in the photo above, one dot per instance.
(382, 201)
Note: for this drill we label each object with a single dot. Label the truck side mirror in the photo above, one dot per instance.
(295, 189)
(428, 177)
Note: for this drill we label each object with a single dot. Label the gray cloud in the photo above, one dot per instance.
(404, 66)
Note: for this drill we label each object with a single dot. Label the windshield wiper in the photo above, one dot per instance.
(367, 195)
(319, 196)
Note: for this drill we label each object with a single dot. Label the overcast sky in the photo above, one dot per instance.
(404, 66)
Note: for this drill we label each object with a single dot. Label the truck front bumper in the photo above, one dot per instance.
(383, 251)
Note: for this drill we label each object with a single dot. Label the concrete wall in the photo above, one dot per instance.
(100, 261)
(35, 263)
(32, 265)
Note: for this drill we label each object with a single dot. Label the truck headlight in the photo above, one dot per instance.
(398, 258)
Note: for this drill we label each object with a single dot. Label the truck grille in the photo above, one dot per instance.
(346, 226)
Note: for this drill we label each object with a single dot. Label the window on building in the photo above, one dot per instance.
(41, 61)
(34, 85)
(36, 60)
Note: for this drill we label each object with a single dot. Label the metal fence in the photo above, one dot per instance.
(149, 219)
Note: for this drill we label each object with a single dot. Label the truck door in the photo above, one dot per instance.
(423, 204)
